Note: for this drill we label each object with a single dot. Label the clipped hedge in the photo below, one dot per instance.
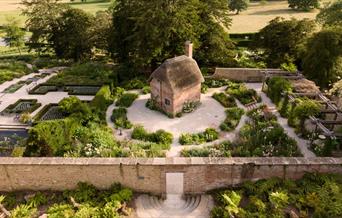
(232, 120)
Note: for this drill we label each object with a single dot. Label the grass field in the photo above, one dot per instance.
(252, 20)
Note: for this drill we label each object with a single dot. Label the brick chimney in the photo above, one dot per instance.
(188, 49)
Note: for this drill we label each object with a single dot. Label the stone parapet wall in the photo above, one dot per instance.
(149, 175)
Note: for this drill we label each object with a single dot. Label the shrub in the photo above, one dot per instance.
(119, 117)
(159, 137)
(190, 106)
(146, 89)
(225, 100)
(304, 109)
(126, 100)
(216, 83)
(305, 5)
(102, 99)
(135, 83)
(24, 211)
(61, 210)
(233, 118)
(244, 95)
(220, 150)
(208, 135)
(276, 87)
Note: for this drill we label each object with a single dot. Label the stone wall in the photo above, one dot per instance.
(240, 74)
(148, 175)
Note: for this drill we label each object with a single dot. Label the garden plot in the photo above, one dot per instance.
(50, 112)
(21, 106)
(15, 87)
(82, 90)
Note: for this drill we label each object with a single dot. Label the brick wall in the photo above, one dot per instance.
(148, 175)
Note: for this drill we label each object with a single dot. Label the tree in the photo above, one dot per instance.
(331, 14)
(238, 5)
(322, 59)
(283, 40)
(305, 5)
(101, 29)
(71, 35)
(146, 32)
(14, 35)
(41, 16)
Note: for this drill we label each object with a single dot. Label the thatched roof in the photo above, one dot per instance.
(304, 86)
(180, 73)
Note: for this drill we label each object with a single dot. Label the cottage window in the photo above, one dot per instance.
(167, 101)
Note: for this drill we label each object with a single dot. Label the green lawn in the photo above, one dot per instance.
(10, 8)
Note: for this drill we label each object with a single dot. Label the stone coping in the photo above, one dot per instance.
(194, 161)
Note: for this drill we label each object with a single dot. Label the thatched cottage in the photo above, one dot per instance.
(176, 82)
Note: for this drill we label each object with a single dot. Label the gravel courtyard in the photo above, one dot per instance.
(209, 114)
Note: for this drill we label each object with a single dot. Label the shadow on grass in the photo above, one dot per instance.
(278, 12)
(89, 2)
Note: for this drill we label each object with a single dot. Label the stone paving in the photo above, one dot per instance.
(10, 98)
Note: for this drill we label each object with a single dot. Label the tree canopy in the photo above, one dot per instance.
(14, 35)
(238, 5)
(146, 32)
(305, 5)
(331, 14)
(283, 40)
(322, 59)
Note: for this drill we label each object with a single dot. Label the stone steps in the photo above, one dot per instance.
(174, 207)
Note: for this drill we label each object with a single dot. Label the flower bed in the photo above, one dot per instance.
(244, 95)
(159, 137)
(15, 87)
(49, 112)
(225, 100)
(82, 90)
(21, 106)
(119, 117)
(232, 120)
(208, 135)
(42, 89)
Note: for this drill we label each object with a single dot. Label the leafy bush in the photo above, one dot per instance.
(102, 99)
(10, 69)
(136, 83)
(24, 211)
(219, 150)
(225, 100)
(276, 86)
(215, 83)
(304, 109)
(190, 106)
(119, 117)
(305, 5)
(314, 195)
(244, 95)
(264, 137)
(61, 210)
(233, 118)
(159, 137)
(208, 135)
(146, 89)
(126, 100)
